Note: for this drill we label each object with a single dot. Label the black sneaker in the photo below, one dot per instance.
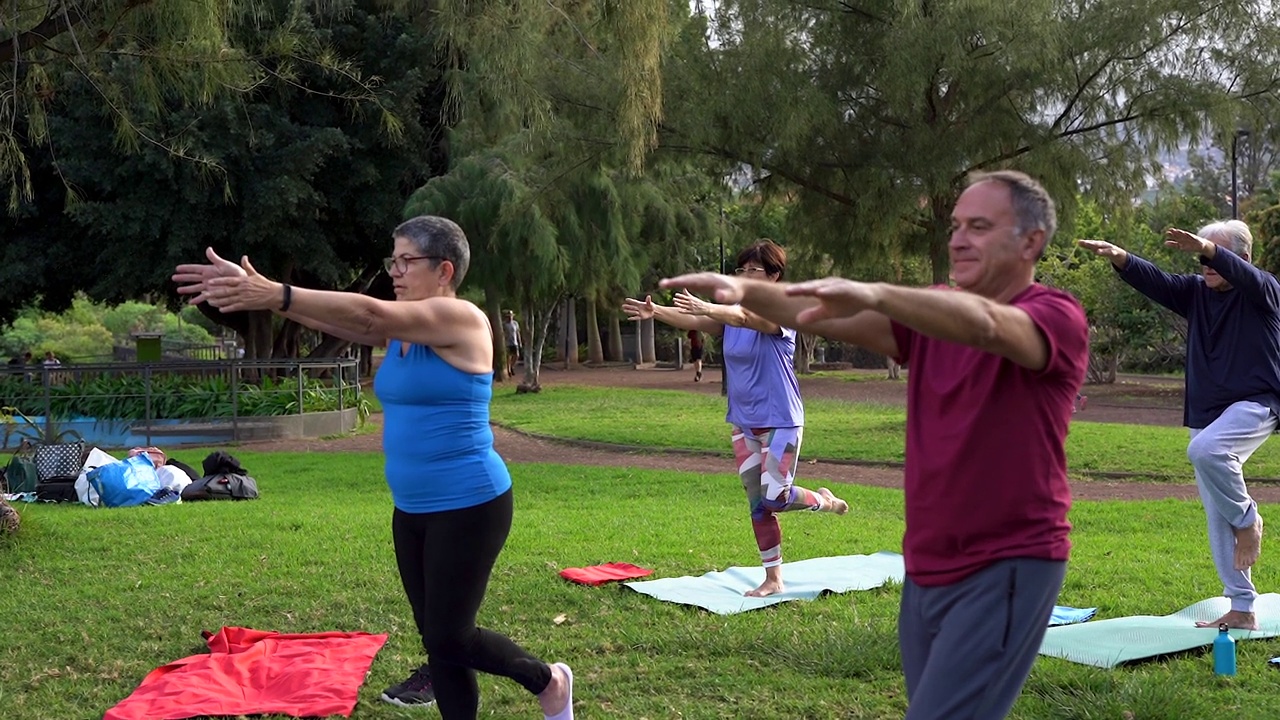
(413, 692)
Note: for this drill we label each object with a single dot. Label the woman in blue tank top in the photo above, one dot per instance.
(765, 410)
(446, 480)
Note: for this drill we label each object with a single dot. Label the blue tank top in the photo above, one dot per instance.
(435, 433)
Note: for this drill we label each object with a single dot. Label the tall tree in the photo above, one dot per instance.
(310, 182)
(877, 110)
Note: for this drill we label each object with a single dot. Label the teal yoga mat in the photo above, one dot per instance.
(1111, 642)
(721, 591)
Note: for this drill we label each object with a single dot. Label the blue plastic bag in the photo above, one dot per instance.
(126, 483)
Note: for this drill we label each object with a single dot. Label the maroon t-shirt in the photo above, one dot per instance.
(986, 470)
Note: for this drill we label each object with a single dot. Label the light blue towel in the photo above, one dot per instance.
(1063, 615)
(721, 592)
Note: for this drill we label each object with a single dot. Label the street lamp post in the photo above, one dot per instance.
(1235, 192)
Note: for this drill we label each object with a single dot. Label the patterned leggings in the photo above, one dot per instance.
(767, 459)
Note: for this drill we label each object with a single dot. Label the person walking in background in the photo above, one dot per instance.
(511, 333)
(695, 353)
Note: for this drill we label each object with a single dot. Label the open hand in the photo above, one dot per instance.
(193, 279)
(247, 291)
(836, 298)
(1188, 242)
(1117, 255)
(690, 305)
(638, 309)
(724, 288)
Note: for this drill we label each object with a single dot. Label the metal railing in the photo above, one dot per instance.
(223, 399)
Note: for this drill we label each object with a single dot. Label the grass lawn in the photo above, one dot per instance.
(833, 429)
(94, 599)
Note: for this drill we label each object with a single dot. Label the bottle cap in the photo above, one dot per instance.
(1223, 627)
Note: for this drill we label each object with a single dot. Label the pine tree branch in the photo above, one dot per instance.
(58, 21)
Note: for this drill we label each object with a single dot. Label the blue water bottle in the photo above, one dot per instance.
(1224, 652)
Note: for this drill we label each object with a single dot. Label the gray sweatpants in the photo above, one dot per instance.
(967, 648)
(1218, 453)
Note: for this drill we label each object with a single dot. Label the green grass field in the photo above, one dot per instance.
(94, 599)
(833, 429)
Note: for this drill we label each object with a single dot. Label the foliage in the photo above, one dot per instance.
(89, 330)
(1125, 328)
(872, 114)
(18, 426)
(313, 171)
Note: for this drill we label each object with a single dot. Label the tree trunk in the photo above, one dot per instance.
(560, 331)
(537, 320)
(615, 337)
(805, 343)
(646, 342)
(493, 308)
(570, 332)
(595, 350)
(939, 236)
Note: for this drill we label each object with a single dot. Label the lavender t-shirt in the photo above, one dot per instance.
(762, 387)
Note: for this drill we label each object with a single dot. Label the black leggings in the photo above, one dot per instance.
(445, 559)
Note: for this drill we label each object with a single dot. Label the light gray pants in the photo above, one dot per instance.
(1218, 454)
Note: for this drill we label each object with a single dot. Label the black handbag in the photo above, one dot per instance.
(59, 460)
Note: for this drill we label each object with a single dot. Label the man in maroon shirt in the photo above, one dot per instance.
(995, 366)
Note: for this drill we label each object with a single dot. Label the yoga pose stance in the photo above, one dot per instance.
(452, 492)
(765, 410)
(994, 368)
(1232, 391)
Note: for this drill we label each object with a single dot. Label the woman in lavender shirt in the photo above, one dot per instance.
(765, 409)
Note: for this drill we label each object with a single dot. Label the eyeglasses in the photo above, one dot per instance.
(750, 271)
(401, 262)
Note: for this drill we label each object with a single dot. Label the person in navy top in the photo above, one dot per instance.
(766, 415)
(451, 491)
(1231, 399)
(995, 365)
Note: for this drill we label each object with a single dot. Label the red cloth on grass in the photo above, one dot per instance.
(601, 574)
(248, 672)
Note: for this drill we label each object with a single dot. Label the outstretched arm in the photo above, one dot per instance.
(438, 322)
(1258, 285)
(734, 315)
(1165, 288)
(952, 315)
(770, 301)
(647, 308)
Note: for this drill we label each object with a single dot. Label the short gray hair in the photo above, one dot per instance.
(1233, 231)
(438, 237)
(1032, 206)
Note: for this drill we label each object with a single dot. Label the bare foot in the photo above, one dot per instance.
(767, 588)
(1235, 619)
(558, 695)
(831, 503)
(1248, 545)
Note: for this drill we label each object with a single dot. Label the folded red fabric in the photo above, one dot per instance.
(253, 672)
(601, 574)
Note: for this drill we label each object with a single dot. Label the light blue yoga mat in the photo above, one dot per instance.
(1108, 643)
(721, 592)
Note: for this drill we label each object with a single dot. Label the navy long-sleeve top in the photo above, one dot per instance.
(1233, 337)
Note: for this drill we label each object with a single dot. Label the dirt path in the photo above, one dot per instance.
(1150, 403)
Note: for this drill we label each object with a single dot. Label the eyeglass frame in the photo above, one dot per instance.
(750, 271)
(401, 262)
